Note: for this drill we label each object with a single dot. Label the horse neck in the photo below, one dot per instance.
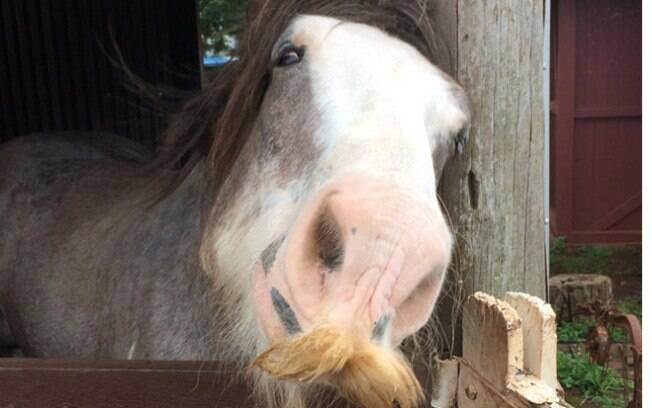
(220, 322)
(183, 323)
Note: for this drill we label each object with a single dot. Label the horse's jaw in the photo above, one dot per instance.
(232, 244)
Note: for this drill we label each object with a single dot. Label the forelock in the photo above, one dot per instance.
(218, 121)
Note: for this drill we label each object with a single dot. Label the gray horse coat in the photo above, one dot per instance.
(77, 282)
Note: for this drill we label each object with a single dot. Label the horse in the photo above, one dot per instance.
(289, 221)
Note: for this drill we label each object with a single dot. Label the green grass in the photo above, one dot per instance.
(577, 330)
(580, 259)
(596, 259)
(618, 335)
(573, 332)
(633, 305)
(598, 385)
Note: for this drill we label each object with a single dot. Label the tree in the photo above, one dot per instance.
(219, 20)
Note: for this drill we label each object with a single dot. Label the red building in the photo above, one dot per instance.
(596, 121)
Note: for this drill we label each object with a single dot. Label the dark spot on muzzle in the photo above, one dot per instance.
(285, 313)
(380, 328)
(269, 254)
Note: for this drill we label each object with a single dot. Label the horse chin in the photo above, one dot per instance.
(365, 373)
(301, 360)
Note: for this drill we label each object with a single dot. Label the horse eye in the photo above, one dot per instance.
(290, 55)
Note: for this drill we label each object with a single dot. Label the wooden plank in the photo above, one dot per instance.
(34, 383)
(75, 64)
(627, 207)
(101, 44)
(54, 94)
(65, 79)
(7, 121)
(152, 62)
(492, 346)
(111, 384)
(159, 18)
(565, 126)
(12, 62)
(26, 76)
(493, 368)
(89, 52)
(611, 112)
(444, 389)
(603, 237)
(444, 14)
(496, 344)
(539, 336)
(57, 77)
(451, 297)
(37, 64)
(597, 154)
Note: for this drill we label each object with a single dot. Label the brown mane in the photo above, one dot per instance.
(218, 120)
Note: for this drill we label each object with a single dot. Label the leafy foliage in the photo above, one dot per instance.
(617, 334)
(573, 332)
(577, 330)
(632, 305)
(599, 384)
(220, 20)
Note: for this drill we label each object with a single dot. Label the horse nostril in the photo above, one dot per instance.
(329, 243)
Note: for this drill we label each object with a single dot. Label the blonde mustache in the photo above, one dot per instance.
(365, 373)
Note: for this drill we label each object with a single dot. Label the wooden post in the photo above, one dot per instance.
(494, 192)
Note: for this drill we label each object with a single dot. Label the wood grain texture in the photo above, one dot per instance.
(539, 336)
(444, 15)
(494, 192)
(596, 138)
(495, 368)
(495, 351)
(35, 383)
(113, 384)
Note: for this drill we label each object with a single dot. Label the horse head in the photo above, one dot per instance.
(325, 237)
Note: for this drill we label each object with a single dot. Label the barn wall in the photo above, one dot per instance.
(55, 74)
(596, 121)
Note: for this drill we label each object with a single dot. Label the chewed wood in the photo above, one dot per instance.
(496, 331)
(539, 336)
(505, 361)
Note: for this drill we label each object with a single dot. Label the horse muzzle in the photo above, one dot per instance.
(363, 253)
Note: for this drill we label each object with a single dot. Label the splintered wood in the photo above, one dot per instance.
(509, 356)
(492, 345)
(540, 335)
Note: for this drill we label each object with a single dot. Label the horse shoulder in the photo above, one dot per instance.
(49, 186)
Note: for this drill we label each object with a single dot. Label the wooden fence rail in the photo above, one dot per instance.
(509, 360)
(34, 383)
